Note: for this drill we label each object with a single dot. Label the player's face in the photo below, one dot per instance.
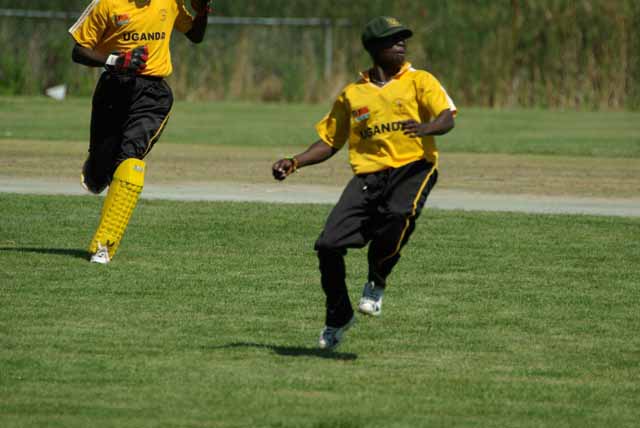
(391, 52)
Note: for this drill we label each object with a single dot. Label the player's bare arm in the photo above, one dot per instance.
(439, 126)
(133, 61)
(197, 32)
(316, 153)
(88, 57)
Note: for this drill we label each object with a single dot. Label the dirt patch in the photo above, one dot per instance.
(542, 175)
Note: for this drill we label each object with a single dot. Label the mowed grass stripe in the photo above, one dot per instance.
(565, 133)
(210, 313)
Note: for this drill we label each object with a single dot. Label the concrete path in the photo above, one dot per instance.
(291, 193)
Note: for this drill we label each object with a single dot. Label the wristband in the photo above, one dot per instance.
(111, 61)
(294, 161)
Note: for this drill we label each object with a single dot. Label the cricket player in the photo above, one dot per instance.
(388, 118)
(130, 39)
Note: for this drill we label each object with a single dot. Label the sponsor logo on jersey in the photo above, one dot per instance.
(137, 37)
(383, 128)
(121, 20)
(361, 114)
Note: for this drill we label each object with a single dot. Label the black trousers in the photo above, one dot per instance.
(380, 208)
(128, 116)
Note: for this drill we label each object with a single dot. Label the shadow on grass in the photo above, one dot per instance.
(81, 254)
(292, 351)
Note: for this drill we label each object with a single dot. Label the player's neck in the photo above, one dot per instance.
(381, 74)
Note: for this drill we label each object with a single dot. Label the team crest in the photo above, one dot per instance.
(393, 22)
(398, 106)
(361, 114)
(121, 20)
(163, 14)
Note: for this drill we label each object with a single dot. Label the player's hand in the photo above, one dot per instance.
(415, 129)
(133, 61)
(283, 168)
(202, 7)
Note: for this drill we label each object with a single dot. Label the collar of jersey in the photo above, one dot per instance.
(405, 67)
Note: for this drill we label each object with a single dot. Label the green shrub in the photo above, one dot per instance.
(529, 53)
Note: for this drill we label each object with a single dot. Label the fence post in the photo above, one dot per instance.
(328, 48)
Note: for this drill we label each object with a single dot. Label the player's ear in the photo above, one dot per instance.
(370, 48)
(374, 53)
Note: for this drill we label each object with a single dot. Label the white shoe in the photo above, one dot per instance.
(330, 337)
(371, 301)
(101, 256)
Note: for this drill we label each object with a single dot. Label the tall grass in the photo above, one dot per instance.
(504, 53)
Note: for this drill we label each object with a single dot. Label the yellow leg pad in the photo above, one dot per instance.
(119, 204)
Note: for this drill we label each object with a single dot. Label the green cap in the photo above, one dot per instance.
(382, 27)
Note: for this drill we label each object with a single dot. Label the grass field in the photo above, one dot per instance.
(211, 313)
(598, 134)
(533, 152)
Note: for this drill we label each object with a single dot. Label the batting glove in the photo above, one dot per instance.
(133, 61)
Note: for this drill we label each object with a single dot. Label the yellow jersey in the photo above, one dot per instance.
(368, 117)
(121, 25)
